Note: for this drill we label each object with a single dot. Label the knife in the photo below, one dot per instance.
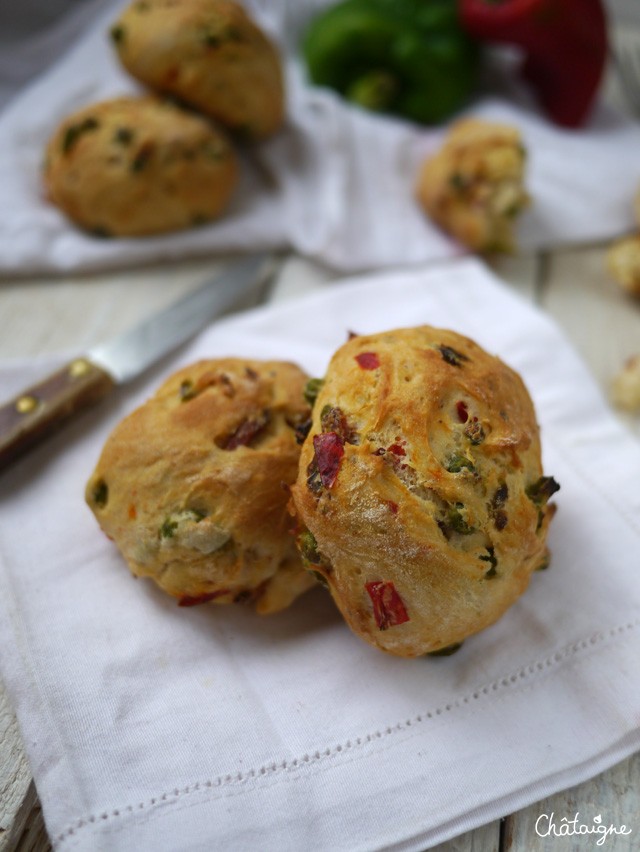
(34, 414)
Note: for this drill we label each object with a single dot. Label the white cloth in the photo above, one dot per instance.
(337, 184)
(157, 728)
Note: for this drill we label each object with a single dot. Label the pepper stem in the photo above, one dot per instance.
(374, 90)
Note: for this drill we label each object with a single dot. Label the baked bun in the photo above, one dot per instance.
(209, 54)
(420, 496)
(623, 262)
(473, 188)
(192, 486)
(132, 167)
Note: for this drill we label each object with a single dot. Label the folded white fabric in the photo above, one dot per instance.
(337, 184)
(158, 728)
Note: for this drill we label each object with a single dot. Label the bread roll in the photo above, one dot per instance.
(192, 486)
(420, 496)
(208, 53)
(133, 167)
(473, 188)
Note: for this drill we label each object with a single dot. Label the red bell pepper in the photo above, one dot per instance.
(388, 607)
(565, 45)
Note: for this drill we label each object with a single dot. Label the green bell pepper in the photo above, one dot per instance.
(406, 57)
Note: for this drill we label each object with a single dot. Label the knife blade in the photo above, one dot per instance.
(41, 409)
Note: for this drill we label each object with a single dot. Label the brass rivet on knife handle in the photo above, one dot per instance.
(38, 411)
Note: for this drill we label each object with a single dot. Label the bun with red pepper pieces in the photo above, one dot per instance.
(209, 54)
(192, 486)
(138, 166)
(420, 497)
(473, 187)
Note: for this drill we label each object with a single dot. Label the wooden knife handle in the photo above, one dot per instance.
(38, 411)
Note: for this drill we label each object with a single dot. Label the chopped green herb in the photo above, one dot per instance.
(493, 562)
(168, 528)
(512, 211)
(500, 496)
(451, 355)
(544, 564)
(75, 131)
(216, 151)
(123, 136)
(321, 578)
(456, 520)
(100, 493)
(541, 491)
(117, 34)
(302, 429)
(458, 182)
(101, 232)
(187, 391)
(314, 480)
(458, 462)
(309, 547)
(170, 524)
(311, 390)
(142, 157)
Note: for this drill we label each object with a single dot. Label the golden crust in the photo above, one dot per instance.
(208, 53)
(623, 262)
(625, 388)
(473, 187)
(138, 166)
(426, 534)
(192, 486)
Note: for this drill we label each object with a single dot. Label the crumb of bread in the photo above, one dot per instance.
(625, 390)
(623, 262)
(473, 187)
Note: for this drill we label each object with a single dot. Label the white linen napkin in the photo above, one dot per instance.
(337, 184)
(149, 726)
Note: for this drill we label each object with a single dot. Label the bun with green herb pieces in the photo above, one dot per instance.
(192, 486)
(137, 166)
(211, 55)
(473, 187)
(420, 498)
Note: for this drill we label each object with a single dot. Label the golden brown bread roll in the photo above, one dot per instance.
(473, 188)
(138, 166)
(209, 54)
(420, 495)
(192, 486)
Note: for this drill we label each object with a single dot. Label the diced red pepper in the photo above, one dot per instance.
(246, 432)
(397, 450)
(188, 600)
(388, 608)
(368, 360)
(329, 450)
(565, 44)
(463, 413)
(393, 507)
